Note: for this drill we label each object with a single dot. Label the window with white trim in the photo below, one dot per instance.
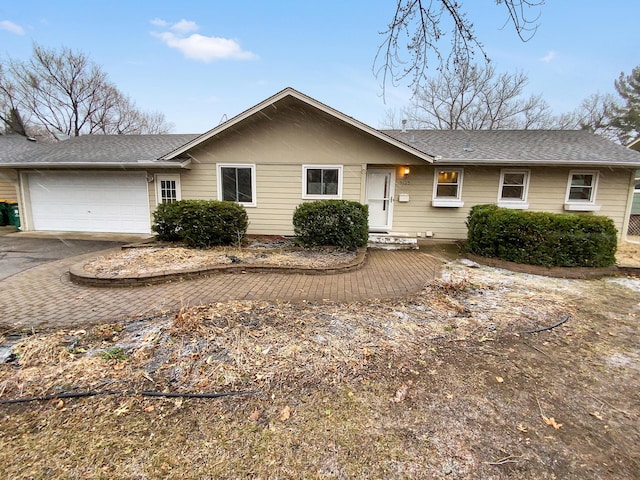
(167, 188)
(447, 188)
(237, 183)
(581, 191)
(514, 187)
(322, 181)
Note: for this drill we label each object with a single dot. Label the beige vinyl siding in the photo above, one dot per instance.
(279, 146)
(279, 141)
(279, 191)
(8, 186)
(548, 188)
(613, 197)
(547, 191)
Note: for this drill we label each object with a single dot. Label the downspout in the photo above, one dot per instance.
(25, 214)
(627, 213)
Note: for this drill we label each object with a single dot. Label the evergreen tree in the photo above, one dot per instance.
(626, 116)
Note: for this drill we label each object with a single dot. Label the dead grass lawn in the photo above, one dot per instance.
(628, 254)
(439, 385)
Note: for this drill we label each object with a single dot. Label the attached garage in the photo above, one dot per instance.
(76, 201)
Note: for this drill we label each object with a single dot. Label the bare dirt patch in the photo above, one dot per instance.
(438, 385)
(628, 253)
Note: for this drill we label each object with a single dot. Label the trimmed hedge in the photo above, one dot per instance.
(201, 223)
(539, 238)
(340, 223)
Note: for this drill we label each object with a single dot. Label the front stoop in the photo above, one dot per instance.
(392, 241)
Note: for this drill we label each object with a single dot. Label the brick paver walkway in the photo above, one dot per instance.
(43, 297)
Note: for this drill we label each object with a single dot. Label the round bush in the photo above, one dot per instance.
(340, 223)
(201, 223)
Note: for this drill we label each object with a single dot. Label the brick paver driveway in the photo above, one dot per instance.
(19, 252)
(44, 298)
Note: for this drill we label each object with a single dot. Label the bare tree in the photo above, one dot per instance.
(476, 97)
(118, 114)
(596, 114)
(419, 27)
(65, 92)
(9, 114)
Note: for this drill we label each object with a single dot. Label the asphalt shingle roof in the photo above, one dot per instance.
(517, 147)
(89, 149)
(17, 146)
(514, 147)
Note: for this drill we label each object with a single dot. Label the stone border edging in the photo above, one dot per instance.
(576, 273)
(79, 276)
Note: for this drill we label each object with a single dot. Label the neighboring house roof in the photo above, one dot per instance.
(93, 151)
(521, 147)
(289, 94)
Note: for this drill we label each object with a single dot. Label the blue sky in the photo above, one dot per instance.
(198, 61)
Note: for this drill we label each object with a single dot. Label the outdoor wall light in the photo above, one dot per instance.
(406, 171)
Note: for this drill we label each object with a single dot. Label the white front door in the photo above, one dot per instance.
(380, 187)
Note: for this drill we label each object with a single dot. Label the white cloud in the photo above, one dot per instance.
(184, 26)
(200, 47)
(549, 57)
(158, 22)
(11, 27)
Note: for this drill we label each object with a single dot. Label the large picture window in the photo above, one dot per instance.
(514, 186)
(237, 183)
(322, 181)
(581, 191)
(447, 188)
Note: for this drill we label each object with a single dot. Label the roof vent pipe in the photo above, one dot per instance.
(404, 125)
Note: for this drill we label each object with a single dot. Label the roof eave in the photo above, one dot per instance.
(87, 165)
(309, 101)
(550, 163)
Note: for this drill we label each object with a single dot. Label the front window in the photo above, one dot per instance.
(582, 187)
(167, 188)
(447, 188)
(514, 185)
(320, 182)
(236, 183)
(581, 191)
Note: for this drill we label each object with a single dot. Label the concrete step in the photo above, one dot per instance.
(392, 241)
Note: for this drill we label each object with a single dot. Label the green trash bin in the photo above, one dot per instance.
(14, 215)
(4, 214)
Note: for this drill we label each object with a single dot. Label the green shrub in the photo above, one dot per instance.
(539, 238)
(201, 223)
(340, 223)
(166, 221)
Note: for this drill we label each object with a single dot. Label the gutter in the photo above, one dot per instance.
(549, 163)
(131, 165)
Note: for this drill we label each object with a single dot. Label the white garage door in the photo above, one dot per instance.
(90, 202)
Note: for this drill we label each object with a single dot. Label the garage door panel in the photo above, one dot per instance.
(96, 202)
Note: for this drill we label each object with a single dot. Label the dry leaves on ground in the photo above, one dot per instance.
(145, 260)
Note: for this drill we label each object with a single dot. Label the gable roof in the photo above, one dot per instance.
(521, 147)
(92, 151)
(288, 94)
(444, 147)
